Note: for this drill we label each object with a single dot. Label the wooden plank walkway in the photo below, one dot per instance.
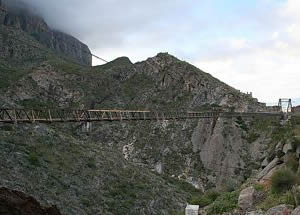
(61, 115)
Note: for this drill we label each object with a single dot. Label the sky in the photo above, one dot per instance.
(252, 45)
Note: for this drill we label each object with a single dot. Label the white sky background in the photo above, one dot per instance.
(269, 66)
(252, 45)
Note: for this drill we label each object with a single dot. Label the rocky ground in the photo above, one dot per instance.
(15, 202)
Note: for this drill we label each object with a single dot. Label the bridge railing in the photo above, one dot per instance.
(66, 115)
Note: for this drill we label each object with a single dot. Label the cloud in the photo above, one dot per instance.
(268, 66)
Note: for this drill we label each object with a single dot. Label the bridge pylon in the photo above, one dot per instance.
(285, 105)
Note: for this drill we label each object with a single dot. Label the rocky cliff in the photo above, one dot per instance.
(119, 157)
(18, 17)
(122, 167)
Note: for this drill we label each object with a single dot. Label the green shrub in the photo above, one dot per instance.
(292, 163)
(274, 199)
(33, 158)
(91, 163)
(205, 199)
(259, 187)
(241, 123)
(281, 134)
(231, 185)
(295, 143)
(252, 137)
(212, 194)
(283, 180)
(178, 213)
(224, 203)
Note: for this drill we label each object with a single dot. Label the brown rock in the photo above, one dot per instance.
(246, 198)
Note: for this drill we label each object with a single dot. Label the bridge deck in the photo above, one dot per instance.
(59, 115)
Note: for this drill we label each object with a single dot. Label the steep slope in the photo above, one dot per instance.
(15, 202)
(59, 166)
(21, 19)
(122, 167)
(121, 84)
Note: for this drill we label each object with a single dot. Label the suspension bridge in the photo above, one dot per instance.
(60, 115)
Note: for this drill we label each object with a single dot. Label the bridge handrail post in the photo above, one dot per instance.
(32, 114)
(50, 117)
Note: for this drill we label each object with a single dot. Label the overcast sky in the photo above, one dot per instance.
(253, 45)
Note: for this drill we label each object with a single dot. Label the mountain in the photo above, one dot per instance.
(17, 18)
(134, 167)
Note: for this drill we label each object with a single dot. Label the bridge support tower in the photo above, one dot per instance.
(285, 105)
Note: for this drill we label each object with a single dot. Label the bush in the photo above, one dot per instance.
(224, 203)
(241, 123)
(231, 185)
(33, 158)
(91, 163)
(292, 163)
(252, 137)
(259, 187)
(205, 199)
(277, 199)
(295, 143)
(283, 180)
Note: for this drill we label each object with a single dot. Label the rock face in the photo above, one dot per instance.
(208, 152)
(296, 211)
(246, 198)
(123, 167)
(14, 202)
(18, 17)
(280, 210)
(268, 168)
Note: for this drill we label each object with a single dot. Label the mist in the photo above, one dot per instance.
(109, 23)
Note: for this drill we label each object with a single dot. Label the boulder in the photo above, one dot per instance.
(287, 147)
(246, 198)
(267, 178)
(296, 211)
(268, 168)
(280, 210)
(202, 212)
(264, 163)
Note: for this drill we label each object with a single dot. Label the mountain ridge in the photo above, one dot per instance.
(137, 168)
(23, 19)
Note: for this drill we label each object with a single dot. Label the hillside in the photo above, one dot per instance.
(130, 168)
(138, 167)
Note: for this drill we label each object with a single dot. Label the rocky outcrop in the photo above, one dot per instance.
(268, 168)
(280, 210)
(188, 82)
(246, 199)
(15, 202)
(207, 153)
(296, 211)
(19, 17)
